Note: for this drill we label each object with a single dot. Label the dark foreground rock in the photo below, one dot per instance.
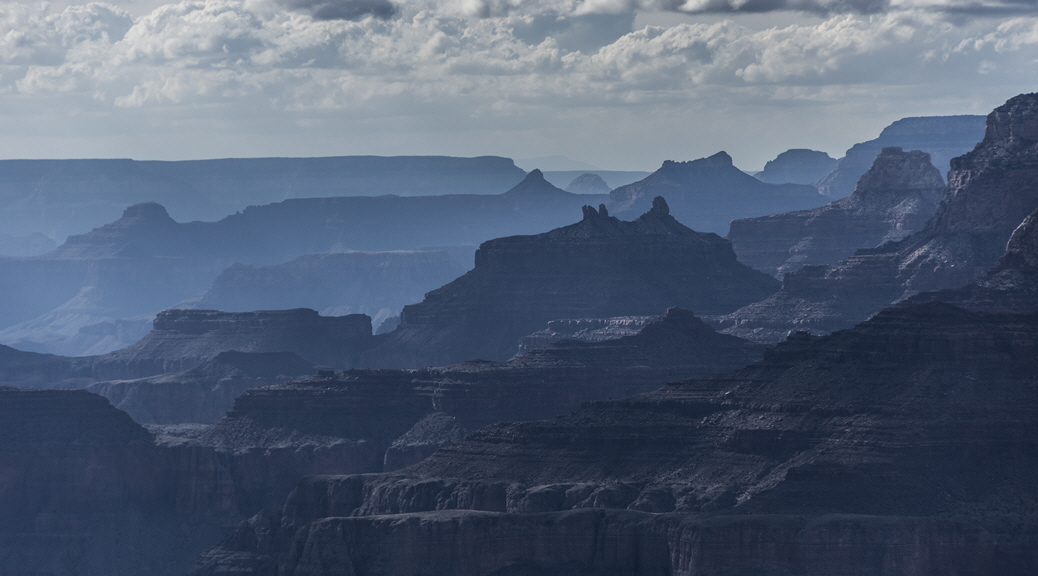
(894, 199)
(599, 267)
(86, 490)
(990, 191)
(708, 193)
(904, 446)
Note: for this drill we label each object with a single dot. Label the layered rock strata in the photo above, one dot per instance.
(708, 193)
(598, 267)
(906, 445)
(370, 420)
(584, 330)
(894, 199)
(990, 191)
(942, 137)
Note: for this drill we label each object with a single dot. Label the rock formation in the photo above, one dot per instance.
(85, 490)
(990, 191)
(183, 339)
(905, 445)
(942, 137)
(378, 284)
(584, 330)
(708, 193)
(370, 420)
(599, 267)
(204, 393)
(796, 166)
(588, 184)
(894, 199)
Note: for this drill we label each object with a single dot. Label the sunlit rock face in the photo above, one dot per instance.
(708, 193)
(599, 267)
(989, 193)
(894, 199)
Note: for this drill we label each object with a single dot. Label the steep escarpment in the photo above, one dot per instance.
(708, 193)
(942, 137)
(370, 420)
(894, 199)
(599, 267)
(907, 444)
(85, 490)
(990, 191)
(183, 339)
(796, 166)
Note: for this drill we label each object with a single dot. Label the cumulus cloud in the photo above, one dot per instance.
(344, 9)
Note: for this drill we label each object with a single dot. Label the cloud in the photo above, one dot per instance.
(344, 9)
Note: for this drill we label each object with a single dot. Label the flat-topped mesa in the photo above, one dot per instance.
(708, 193)
(796, 166)
(599, 267)
(990, 191)
(894, 199)
(182, 339)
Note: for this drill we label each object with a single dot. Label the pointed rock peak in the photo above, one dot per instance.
(590, 213)
(1017, 119)
(721, 159)
(147, 212)
(659, 207)
(602, 211)
(533, 184)
(535, 175)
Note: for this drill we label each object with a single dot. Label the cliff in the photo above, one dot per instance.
(942, 137)
(85, 490)
(796, 166)
(905, 445)
(599, 267)
(182, 339)
(708, 193)
(990, 191)
(894, 199)
(584, 330)
(370, 420)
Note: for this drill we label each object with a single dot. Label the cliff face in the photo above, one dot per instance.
(371, 420)
(85, 490)
(796, 166)
(599, 267)
(183, 339)
(906, 445)
(894, 199)
(990, 191)
(708, 193)
(942, 137)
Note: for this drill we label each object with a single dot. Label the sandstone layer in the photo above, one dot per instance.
(708, 193)
(906, 445)
(598, 267)
(894, 199)
(990, 191)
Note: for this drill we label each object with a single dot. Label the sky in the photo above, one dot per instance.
(617, 84)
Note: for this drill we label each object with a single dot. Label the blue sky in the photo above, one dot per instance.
(620, 84)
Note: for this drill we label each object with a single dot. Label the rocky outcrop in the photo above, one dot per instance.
(894, 199)
(85, 490)
(990, 191)
(598, 267)
(905, 445)
(204, 393)
(183, 339)
(371, 420)
(708, 193)
(588, 184)
(796, 166)
(584, 330)
(942, 137)
(378, 284)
